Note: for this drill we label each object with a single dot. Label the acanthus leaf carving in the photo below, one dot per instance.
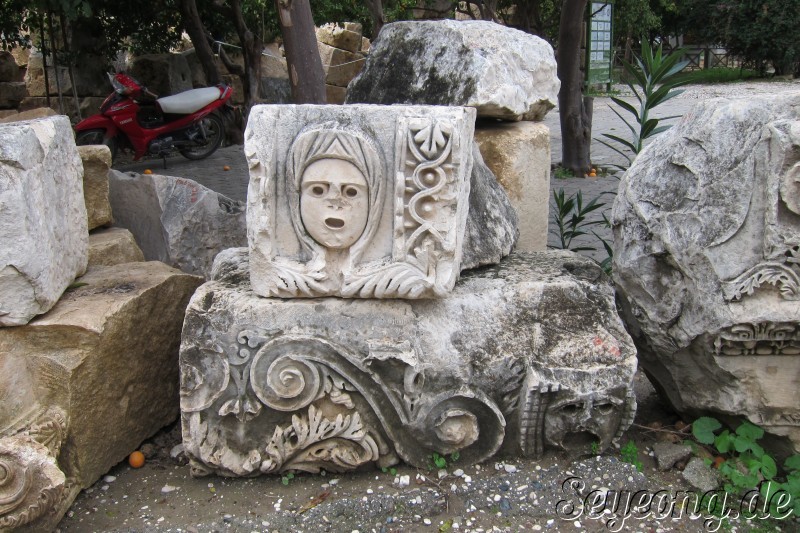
(779, 275)
(313, 442)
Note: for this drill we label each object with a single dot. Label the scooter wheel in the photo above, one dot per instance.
(97, 136)
(215, 131)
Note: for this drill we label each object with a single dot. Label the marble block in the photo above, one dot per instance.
(44, 238)
(521, 357)
(359, 201)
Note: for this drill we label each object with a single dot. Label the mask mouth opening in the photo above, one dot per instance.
(334, 223)
(579, 440)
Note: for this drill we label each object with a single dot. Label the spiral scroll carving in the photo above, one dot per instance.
(15, 483)
(282, 378)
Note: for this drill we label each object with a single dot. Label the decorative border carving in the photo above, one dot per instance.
(762, 338)
(779, 275)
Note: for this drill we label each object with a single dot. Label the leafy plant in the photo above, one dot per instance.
(630, 454)
(748, 464)
(654, 82)
(287, 477)
(391, 471)
(571, 218)
(440, 461)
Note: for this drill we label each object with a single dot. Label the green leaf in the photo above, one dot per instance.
(703, 429)
(768, 467)
(792, 463)
(722, 442)
(741, 444)
(626, 106)
(622, 141)
(749, 431)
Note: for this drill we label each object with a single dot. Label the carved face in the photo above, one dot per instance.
(334, 202)
(574, 421)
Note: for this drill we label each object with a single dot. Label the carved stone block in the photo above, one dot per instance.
(96, 164)
(520, 357)
(707, 255)
(97, 374)
(43, 226)
(357, 201)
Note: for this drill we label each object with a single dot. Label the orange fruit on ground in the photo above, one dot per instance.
(226, 167)
(136, 459)
(147, 171)
(592, 174)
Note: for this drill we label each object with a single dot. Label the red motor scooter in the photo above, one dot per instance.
(186, 121)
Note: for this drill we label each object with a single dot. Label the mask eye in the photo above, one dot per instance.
(318, 190)
(350, 192)
(570, 408)
(605, 408)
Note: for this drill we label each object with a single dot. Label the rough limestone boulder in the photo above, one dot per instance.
(503, 72)
(707, 258)
(43, 225)
(11, 93)
(521, 357)
(39, 112)
(9, 70)
(518, 154)
(113, 246)
(176, 220)
(96, 164)
(90, 380)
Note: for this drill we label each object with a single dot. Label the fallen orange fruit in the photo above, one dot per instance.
(147, 171)
(226, 167)
(136, 459)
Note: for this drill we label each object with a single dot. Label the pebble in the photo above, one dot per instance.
(110, 479)
(458, 472)
(403, 481)
(166, 489)
(427, 521)
(510, 468)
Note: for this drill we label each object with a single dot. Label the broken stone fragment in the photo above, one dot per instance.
(43, 222)
(707, 261)
(113, 246)
(176, 220)
(502, 72)
(96, 164)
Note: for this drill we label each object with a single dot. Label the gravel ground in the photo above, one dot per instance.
(510, 495)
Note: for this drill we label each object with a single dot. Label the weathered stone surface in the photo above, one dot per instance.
(335, 95)
(520, 357)
(176, 220)
(10, 71)
(96, 164)
(39, 112)
(503, 72)
(700, 476)
(106, 357)
(164, 74)
(519, 156)
(11, 93)
(669, 453)
(43, 232)
(34, 77)
(340, 66)
(357, 201)
(707, 259)
(340, 36)
(113, 246)
(491, 231)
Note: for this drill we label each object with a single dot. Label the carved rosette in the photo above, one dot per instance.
(31, 483)
(325, 409)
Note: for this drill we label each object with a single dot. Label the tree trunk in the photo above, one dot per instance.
(251, 49)
(302, 55)
(375, 8)
(197, 33)
(576, 128)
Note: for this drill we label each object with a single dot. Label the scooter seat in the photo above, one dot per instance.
(188, 101)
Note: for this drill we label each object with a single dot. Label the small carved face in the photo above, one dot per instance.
(574, 421)
(334, 202)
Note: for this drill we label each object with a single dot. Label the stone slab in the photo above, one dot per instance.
(96, 164)
(105, 357)
(398, 232)
(39, 112)
(43, 222)
(113, 246)
(521, 357)
(176, 220)
(518, 154)
(503, 72)
(340, 36)
(707, 261)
